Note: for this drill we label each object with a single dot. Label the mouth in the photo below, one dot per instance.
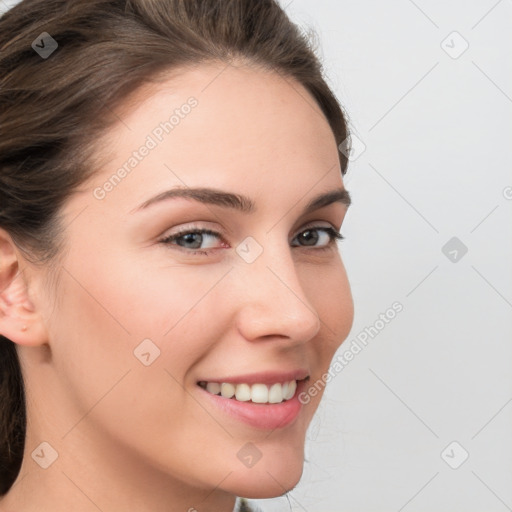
(258, 393)
(265, 401)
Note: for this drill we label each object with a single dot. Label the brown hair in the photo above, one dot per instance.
(54, 110)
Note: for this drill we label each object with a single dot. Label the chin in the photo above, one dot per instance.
(268, 479)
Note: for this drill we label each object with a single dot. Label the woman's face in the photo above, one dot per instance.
(137, 325)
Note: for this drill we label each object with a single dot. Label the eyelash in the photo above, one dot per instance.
(333, 237)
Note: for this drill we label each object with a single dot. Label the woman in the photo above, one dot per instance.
(171, 196)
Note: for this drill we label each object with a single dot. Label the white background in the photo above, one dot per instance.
(436, 164)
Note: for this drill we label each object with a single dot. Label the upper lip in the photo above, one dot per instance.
(265, 377)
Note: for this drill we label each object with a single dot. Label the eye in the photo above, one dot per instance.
(191, 240)
(310, 236)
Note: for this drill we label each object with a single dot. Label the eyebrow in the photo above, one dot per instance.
(240, 202)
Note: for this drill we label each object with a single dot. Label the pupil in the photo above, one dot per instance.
(310, 238)
(188, 238)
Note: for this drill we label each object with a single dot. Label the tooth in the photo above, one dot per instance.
(292, 386)
(275, 394)
(243, 392)
(259, 393)
(227, 390)
(213, 387)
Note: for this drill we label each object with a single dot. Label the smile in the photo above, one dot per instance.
(257, 393)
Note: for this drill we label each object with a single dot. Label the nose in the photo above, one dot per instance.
(271, 299)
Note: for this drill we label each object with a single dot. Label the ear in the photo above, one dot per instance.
(20, 319)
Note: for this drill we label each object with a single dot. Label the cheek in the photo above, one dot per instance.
(102, 318)
(114, 315)
(328, 290)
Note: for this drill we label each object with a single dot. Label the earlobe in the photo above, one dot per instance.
(20, 321)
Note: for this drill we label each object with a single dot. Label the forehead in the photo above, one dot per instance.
(237, 106)
(222, 126)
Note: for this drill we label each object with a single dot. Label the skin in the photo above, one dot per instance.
(135, 437)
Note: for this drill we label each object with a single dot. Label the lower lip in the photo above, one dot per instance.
(263, 416)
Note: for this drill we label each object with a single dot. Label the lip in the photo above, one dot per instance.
(266, 377)
(261, 416)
